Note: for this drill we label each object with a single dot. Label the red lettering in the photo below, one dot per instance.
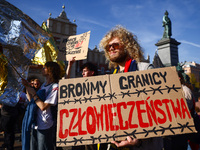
(177, 110)
(132, 103)
(111, 115)
(91, 128)
(160, 120)
(106, 118)
(79, 123)
(140, 111)
(184, 109)
(120, 116)
(72, 121)
(151, 113)
(78, 44)
(62, 112)
(99, 117)
(166, 101)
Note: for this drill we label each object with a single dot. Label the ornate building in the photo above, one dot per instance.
(193, 70)
(61, 27)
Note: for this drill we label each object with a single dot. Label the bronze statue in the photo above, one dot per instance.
(167, 26)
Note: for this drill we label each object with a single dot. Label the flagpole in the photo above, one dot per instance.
(12, 66)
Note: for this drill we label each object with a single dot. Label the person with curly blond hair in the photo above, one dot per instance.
(124, 53)
(121, 39)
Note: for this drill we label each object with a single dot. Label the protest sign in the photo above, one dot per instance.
(140, 104)
(76, 45)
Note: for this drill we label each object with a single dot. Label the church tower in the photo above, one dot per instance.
(61, 26)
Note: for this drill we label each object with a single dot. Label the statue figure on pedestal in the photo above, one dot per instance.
(167, 26)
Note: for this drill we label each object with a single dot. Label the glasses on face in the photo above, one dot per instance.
(113, 45)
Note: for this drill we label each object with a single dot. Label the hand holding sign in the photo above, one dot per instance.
(128, 142)
(69, 67)
(138, 105)
(71, 61)
(76, 45)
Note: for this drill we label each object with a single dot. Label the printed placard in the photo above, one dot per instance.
(140, 104)
(76, 45)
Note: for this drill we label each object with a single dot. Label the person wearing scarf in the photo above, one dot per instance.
(124, 53)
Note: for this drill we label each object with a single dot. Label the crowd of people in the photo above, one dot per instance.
(38, 127)
(11, 117)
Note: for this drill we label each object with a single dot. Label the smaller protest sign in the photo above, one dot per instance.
(76, 45)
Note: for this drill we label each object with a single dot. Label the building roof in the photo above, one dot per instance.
(157, 61)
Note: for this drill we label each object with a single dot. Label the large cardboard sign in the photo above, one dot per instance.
(76, 45)
(140, 104)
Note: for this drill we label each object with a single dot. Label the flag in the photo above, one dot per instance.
(48, 52)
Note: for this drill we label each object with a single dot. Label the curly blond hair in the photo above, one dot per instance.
(127, 39)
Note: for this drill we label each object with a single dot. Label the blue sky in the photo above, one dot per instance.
(142, 17)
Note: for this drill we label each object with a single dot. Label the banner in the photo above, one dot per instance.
(76, 45)
(140, 104)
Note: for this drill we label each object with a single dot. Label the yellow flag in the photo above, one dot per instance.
(3, 74)
(48, 52)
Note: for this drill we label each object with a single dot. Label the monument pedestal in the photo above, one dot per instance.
(168, 51)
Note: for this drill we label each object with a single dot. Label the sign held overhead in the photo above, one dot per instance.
(76, 45)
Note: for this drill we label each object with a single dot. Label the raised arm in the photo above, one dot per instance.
(70, 63)
(32, 94)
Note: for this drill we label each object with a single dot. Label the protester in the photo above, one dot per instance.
(124, 53)
(8, 123)
(187, 92)
(197, 106)
(43, 129)
(36, 84)
(0, 111)
(32, 83)
(22, 103)
(194, 139)
(88, 70)
(180, 141)
(69, 67)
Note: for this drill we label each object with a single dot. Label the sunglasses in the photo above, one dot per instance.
(114, 45)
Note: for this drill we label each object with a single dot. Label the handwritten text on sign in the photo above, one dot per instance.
(104, 108)
(75, 45)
